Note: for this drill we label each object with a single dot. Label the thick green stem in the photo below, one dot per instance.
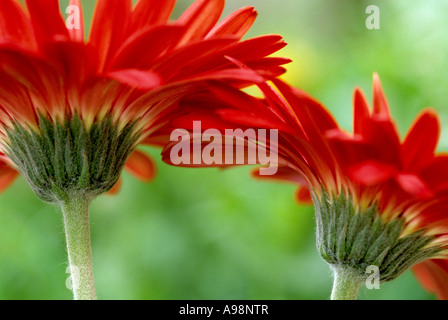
(346, 283)
(77, 232)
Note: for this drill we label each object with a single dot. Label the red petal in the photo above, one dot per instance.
(42, 80)
(285, 174)
(251, 120)
(314, 119)
(141, 49)
(380, 105)
(238, 99)
(421, 141)
(435, 173)
(15, 26)
(14, 99)
(7, 176)
(116, 188)
(200, 18)
(211, 54)
(303, 195)
(433, 275)
(371, 172)
(434, 216)
(77, 34)
(270, 64)
(361, 111)
(239, 75)
(141, 166)
(139, 79)
(382, 137)
(237, 24)
(151, 12)
(47, 20)
(109, 27)
(164, 96)
(192, 57)
(413, 185)
(348, 150)
(257, 47)
(313, 116)
(207, 118)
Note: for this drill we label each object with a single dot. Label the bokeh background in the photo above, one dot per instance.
(211, 234)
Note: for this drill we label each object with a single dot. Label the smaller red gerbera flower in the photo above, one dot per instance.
(374, 154)
(378, 199)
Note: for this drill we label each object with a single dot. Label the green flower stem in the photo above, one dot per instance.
(77, 232)
(346, 283)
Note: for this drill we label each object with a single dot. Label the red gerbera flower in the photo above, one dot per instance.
(406, 173)
(73, 111)
(379, 199)
(134, 67)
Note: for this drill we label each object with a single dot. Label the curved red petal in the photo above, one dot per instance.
(141, 166)
(15, 25)
(380, 105)
(285, 174)
(40, 78)
(371, 172)
(435, 173)
(191, 58)
(421, 141)
(77, 34)
(413, 185)
(383, 140)
(237, 24)
(200, 18)
(109, 27)
(135, 78)
(433, 275)
(143, 48)
(257, 47)
(148, 13)
(303, 195)
(47, 20)
(116, 188)
(312, 115)
(251, 120)
(361, 111)
(7, 177)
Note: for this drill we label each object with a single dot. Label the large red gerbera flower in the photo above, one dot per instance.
(73, 111)
(379, 199)
(134, 67)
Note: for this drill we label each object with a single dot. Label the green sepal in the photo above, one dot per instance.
(354, 240)
(66, 158)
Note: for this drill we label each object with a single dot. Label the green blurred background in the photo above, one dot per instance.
(210, 234)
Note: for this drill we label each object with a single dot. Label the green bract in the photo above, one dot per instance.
(63, 159)
(354, 240)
